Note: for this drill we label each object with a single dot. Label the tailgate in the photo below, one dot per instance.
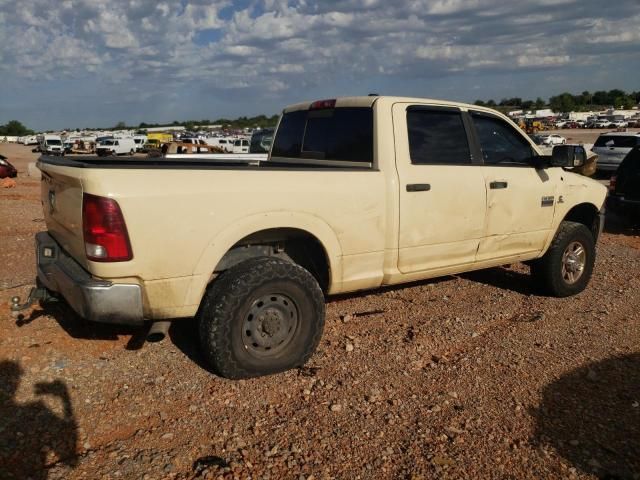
(61, 194)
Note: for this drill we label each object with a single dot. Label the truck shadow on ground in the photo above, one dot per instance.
(591, 417)
(505, 279)
(76, 327)
(32, 437)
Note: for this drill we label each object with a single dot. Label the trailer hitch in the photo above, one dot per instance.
(36, 294)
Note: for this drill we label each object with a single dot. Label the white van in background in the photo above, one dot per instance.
(51, 144)
(116, 146)
(139, 140)
(241, 146)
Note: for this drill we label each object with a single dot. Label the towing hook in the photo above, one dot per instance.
(36, 293)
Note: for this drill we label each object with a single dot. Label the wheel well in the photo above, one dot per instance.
(294, 245)
(586, 214)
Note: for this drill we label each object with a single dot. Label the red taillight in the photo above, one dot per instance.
(105, 233)
(612, 183)
(320, 104)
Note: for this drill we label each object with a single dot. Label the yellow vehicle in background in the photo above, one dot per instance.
(155, 141)
(160, 137)
(531, 126)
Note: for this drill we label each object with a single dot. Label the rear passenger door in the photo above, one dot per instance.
(442, 192)
(520, 198)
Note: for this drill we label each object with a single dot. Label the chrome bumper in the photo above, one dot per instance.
(93, 299)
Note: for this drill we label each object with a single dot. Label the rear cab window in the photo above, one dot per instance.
(333, 136)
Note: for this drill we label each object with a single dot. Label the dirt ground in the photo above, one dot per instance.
(469, 376)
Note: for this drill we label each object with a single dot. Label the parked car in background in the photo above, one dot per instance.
(611, 148)
(261, 141)
(619, 124)
(624, 188)
(603, 123)
(552, 139)
(6, 169)
(581, 124)
(116, 146)
(560, 123)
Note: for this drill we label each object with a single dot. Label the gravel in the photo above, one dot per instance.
(469, 376)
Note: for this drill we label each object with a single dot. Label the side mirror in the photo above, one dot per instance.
(568, 156)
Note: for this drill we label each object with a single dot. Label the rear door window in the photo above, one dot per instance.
(437, 137)
(337, 134)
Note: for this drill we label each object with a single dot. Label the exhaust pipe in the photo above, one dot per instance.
(158, 331)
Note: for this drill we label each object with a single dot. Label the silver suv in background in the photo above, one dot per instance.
(611, 148)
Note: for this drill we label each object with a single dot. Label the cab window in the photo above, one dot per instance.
(500, 143)
(437, 136)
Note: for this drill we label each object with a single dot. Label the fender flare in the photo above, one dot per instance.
(219, 245)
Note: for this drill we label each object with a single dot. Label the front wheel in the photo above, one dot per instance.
(263, 316)
(567, 266)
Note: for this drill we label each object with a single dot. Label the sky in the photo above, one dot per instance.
(94, 63)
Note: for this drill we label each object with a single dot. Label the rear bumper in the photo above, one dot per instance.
(95, 300)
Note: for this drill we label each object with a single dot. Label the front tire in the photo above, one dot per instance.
(566, 267)
(263, 316)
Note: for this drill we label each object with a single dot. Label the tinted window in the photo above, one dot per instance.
(617, 141)
(333, 134)
(500, 143)
(437, 137)
(288, 141)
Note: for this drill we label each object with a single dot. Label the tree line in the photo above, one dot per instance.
(568, 102)
(14, 128)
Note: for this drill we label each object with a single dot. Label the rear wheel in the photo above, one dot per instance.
(263, 316)
(567, 266)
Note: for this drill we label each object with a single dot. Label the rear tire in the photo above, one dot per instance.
(566, 267)
(263, 316)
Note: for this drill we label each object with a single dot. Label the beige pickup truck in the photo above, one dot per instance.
(356, 193)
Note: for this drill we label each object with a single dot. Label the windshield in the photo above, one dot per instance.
(54, 142)
(107, 142)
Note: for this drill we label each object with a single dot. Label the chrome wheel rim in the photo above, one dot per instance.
(270, 324)
(574, 260)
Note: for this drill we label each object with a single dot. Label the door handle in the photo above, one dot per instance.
(498, 185)
(418, 187)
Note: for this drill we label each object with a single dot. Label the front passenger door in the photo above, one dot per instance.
(520, 198)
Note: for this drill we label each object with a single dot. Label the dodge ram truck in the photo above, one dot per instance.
(357, 193)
